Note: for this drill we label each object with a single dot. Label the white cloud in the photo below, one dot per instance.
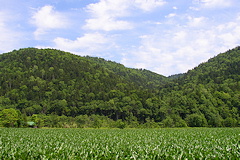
(107, 24)
(176, 50)
(229, 33)
(10, 39)
(149, 5)
(170, 15)
(108, 15)
(194, 8)
(86, 45)
(46, 18)
(105, 15)
(170, 54)
(211, 4)
(216, 3)
(196, 21)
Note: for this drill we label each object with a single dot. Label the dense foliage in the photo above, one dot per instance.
(195, 143)
(141, 77)
(49, 84)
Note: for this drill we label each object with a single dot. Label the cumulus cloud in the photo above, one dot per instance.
(108, 15)
(105, 15)
(87, 44)
(46, 18)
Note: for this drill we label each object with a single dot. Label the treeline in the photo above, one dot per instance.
(49, 83)
(13, 118)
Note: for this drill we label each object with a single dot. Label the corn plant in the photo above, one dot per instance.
(185, 143)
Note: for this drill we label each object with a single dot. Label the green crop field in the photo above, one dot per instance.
(186, 143)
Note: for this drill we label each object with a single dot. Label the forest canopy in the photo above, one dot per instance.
(60, 89)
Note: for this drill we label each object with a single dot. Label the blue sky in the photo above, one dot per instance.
(164, 36)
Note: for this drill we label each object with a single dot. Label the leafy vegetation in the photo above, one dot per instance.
(195, 143)
(58, 89)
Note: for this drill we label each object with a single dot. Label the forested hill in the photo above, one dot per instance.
(52, 82)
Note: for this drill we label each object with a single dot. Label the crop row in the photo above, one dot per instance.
(192, 143)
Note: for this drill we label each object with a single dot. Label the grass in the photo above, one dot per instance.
(185, 143)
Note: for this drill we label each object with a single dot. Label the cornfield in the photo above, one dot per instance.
(185, 143)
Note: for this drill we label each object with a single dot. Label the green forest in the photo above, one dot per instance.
(53, 88)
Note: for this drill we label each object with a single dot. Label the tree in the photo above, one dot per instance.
(178, 121)
(9, 117)
(59, 84)
(120, 124)
(150, 123)
(230, 122)
(168, 122)
(196, 120)
(37, 119)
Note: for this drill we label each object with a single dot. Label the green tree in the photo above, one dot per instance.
(9, 117)
(178, 121)
(168, 122)
(37, 119)
(120, 124)
(230, 122)
(150, 123)
(196, 120)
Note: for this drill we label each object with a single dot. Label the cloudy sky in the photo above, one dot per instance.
(164, 36)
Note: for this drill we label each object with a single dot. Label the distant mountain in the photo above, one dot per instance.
(53, 82)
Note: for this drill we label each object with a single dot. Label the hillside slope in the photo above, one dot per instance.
(218, 69)
(141, 77)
